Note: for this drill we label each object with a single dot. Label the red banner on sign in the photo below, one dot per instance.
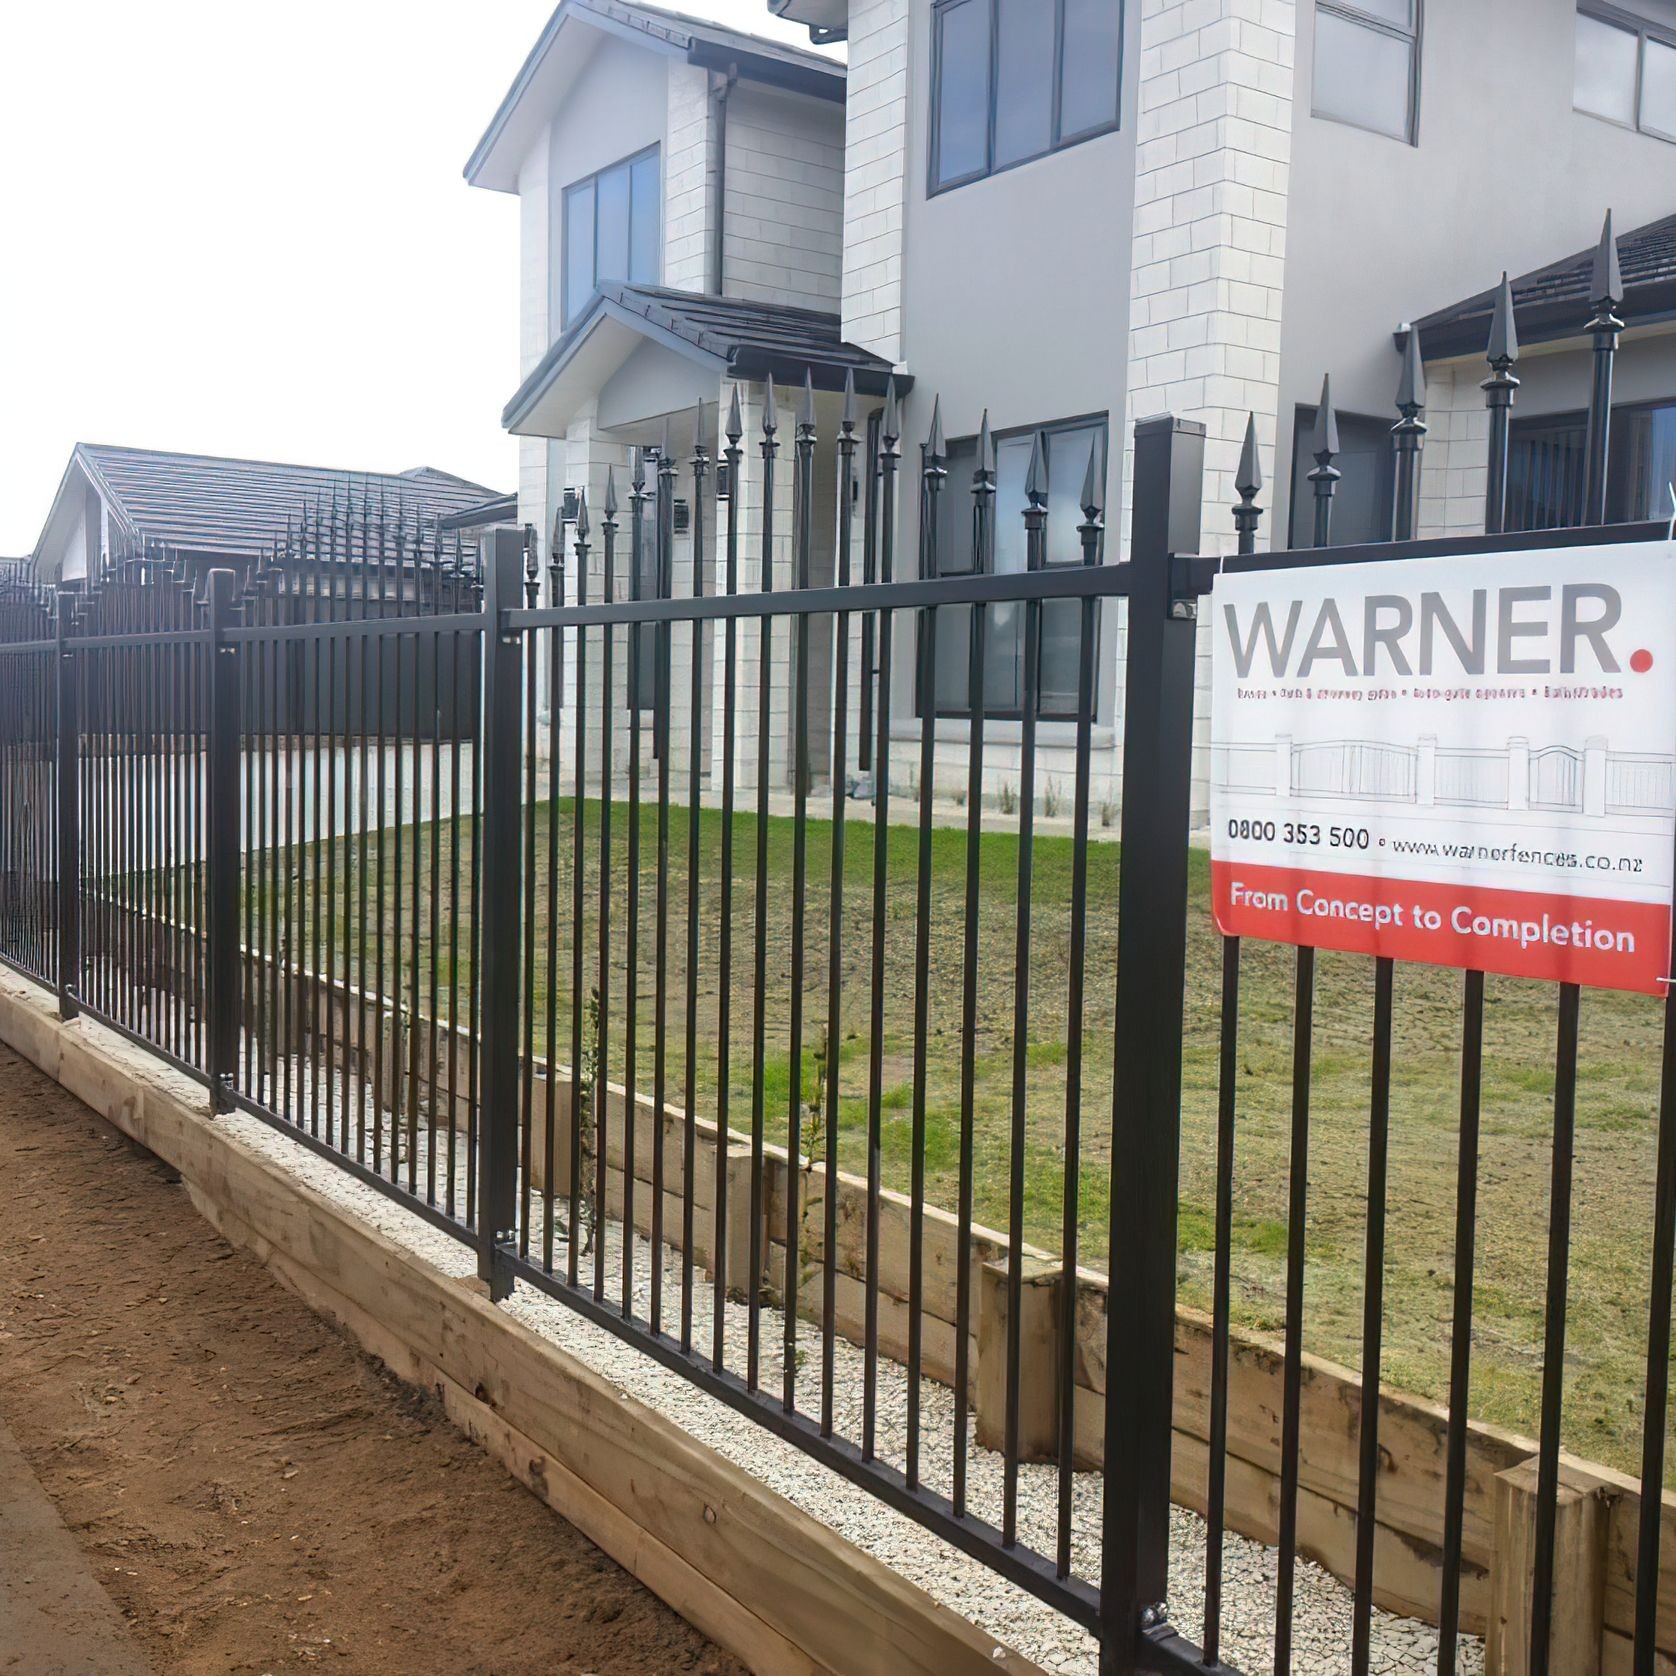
(1527, 934)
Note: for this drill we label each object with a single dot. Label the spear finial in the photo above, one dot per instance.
(1324, 443)
(1607, 287)
(1411, 388)
(1093, 483)
(735, 421)
(1248, 479)
(1035, 478)
(1503, 349)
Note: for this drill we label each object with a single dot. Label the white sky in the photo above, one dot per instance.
(239, 229)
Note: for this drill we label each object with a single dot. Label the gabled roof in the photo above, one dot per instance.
(1553, 302)
(494, 161)
(727, 335)
(205, 504)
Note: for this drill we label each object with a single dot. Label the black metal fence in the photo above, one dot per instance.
(546, 997)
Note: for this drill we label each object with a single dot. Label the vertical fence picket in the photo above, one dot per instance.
(890, 433)
(932, 474)
(835, 958)
(983, 551)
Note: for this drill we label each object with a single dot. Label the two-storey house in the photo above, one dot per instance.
(1074, 213)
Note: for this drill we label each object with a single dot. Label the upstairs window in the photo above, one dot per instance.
(612, 230)
(1626, 70)
(1367, 65)
(1015, 79)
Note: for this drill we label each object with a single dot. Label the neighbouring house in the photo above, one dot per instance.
(1074, 213)
(201, 511)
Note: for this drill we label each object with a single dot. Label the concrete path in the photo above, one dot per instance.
(55, 1619)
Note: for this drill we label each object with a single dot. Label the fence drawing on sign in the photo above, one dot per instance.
(1595, 780)
(417, 858)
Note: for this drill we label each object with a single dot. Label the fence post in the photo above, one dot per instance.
(224, 968)
(501, 909)
(1146, 1092)
(68, 795)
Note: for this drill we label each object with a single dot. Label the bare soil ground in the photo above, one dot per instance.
(255, 1495)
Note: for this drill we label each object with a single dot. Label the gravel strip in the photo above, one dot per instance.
(1322, 1613)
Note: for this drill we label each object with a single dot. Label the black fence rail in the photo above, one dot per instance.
(539, 903)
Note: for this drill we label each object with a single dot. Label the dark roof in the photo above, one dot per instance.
(204, 504)
(498, 509)
(747, 340)
(699, 41)
(1554, 302)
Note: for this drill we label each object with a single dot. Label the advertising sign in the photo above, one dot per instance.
(1468, 761)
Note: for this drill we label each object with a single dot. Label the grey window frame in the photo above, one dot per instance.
(1348, 11)
(562, 264)
(1059, 142)
(966, 563)
(1644, 29)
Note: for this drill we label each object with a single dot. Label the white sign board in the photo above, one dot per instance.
(1469, 761)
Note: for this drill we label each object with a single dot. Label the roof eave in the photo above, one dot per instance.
(789, 370)
(770, 72)
(1646, 305)
(483, 168)
(564, 349)
(828, 371)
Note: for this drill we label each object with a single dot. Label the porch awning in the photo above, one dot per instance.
(670, 348)
(1551, 304)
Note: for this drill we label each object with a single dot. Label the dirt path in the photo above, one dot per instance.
(253, 1493)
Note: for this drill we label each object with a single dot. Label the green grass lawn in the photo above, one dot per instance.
(1617, 1096)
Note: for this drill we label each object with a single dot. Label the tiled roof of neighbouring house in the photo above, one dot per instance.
(1554, 302)
(202, 503)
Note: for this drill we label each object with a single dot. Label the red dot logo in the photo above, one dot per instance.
(1641, 661)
